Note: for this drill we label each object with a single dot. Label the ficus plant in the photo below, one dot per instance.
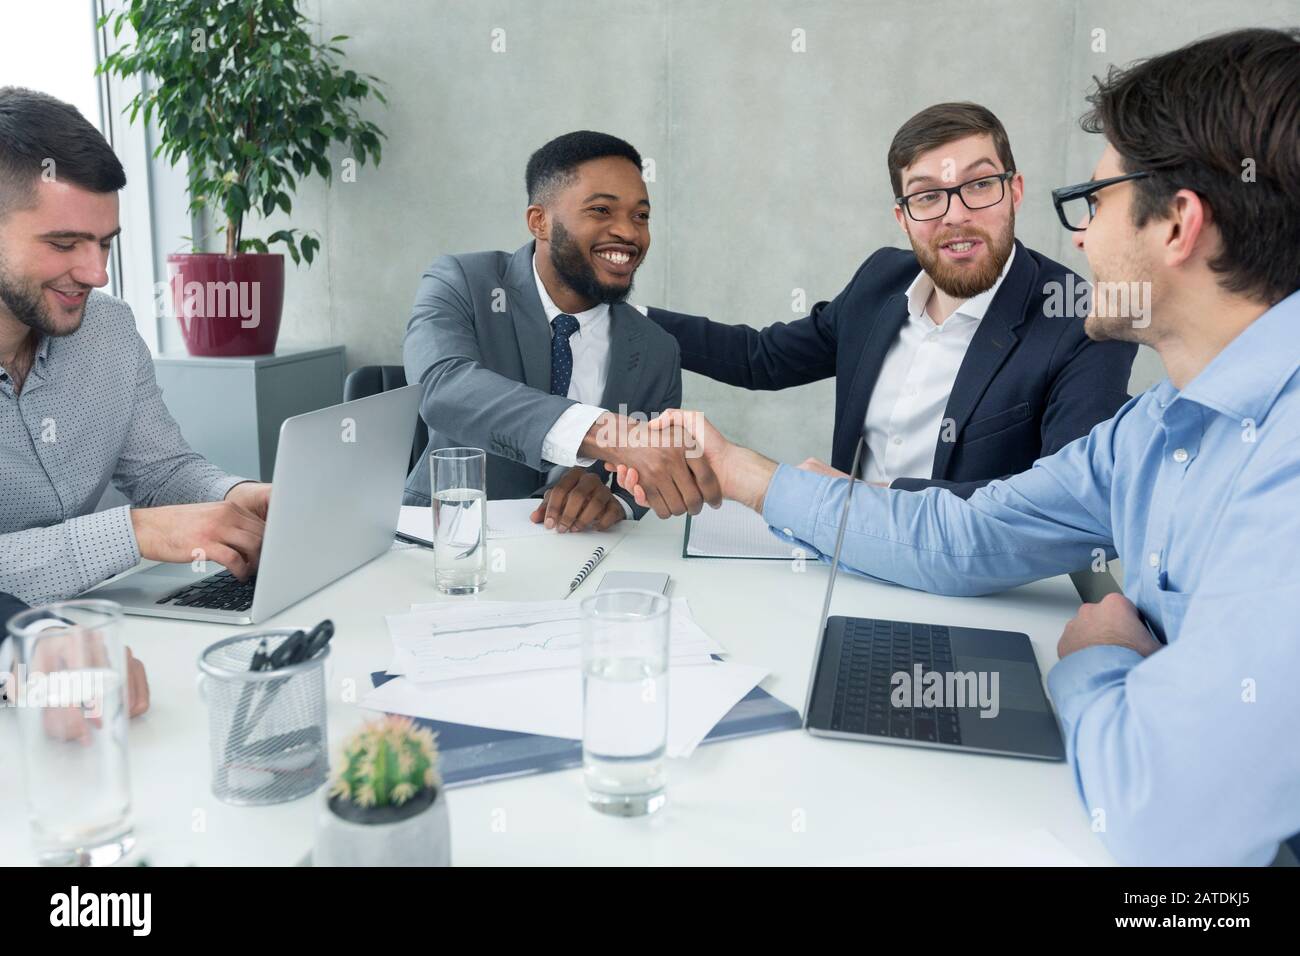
(243, 91)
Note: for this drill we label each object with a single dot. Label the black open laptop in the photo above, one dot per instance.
(975, 690)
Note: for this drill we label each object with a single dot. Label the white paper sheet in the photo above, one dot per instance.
(550, 702)
(441, 642)
(507, 518)
(734, 531)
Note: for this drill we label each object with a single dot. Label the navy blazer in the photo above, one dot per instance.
(1030, 383)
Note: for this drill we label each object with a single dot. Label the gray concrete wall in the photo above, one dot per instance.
(769, 163)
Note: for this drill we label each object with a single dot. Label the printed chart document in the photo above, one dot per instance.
(440, 642)
(733, 531)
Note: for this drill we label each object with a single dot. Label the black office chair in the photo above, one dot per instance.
(373, 379)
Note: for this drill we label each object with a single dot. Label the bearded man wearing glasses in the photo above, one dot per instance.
(961, 361)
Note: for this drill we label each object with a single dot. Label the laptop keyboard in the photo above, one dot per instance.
(870, 654)
(217, 592)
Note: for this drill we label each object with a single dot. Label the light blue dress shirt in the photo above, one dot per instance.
(1191, 755)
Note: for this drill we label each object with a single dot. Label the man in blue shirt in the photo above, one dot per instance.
(1184, 751)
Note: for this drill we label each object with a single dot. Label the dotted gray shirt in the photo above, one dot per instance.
(89, 413)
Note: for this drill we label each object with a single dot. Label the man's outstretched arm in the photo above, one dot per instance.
(1046, 521)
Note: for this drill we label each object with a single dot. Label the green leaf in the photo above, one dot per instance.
(254, 113)
(237, 200)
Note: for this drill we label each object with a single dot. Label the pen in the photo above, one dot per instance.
(412, 539)
(596, 557)
(260, 657)
(239, 727)
(294, 649)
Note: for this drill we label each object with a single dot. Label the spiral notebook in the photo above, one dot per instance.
(733, 531)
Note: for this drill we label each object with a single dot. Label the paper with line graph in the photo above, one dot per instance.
(444, 642)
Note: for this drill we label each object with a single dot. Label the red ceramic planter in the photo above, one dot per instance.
(227, 305)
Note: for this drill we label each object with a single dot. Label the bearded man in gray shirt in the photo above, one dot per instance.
(79, 406)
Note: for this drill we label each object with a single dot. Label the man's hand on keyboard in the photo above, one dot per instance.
(254, 496)
(220, 531)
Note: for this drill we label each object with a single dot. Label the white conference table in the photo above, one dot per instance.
(780, 798)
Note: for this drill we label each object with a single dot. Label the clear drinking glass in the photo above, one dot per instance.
(625, 700)
(459, 479)
(71, 696)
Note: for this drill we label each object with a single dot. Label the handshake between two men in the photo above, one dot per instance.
(672, 464)
(669, 465)
(723, 468)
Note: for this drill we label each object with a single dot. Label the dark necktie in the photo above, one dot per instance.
(562, 353)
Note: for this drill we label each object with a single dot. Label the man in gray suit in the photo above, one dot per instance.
(536, 357)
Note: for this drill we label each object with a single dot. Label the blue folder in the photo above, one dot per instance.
(468, 755)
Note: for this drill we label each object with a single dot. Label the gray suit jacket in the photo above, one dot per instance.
(479, 345)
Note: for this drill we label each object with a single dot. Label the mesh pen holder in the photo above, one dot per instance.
(266, 729)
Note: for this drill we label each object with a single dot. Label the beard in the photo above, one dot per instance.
(577, 273)
(26, 302)
(965, 281)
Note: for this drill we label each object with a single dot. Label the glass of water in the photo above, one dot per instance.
(625, 700)
(71, 696)
(459, 478)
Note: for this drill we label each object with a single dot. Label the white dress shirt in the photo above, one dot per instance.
(905, 413)
(590, 345)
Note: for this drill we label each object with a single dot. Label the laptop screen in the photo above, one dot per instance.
(835, 567)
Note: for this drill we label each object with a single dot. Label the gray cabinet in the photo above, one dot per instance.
(230, 409)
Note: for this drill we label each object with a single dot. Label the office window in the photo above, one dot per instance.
(50, 46)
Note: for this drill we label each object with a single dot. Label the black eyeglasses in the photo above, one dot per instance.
(1072, 202)
(975, 194)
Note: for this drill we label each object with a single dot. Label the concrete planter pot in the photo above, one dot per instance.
(415, 834)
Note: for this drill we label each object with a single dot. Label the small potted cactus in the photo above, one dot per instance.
(386, 806)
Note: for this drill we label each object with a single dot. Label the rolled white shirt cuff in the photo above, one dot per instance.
(561, 444)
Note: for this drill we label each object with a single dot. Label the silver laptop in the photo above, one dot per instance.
(337, 493)
(926, 685)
